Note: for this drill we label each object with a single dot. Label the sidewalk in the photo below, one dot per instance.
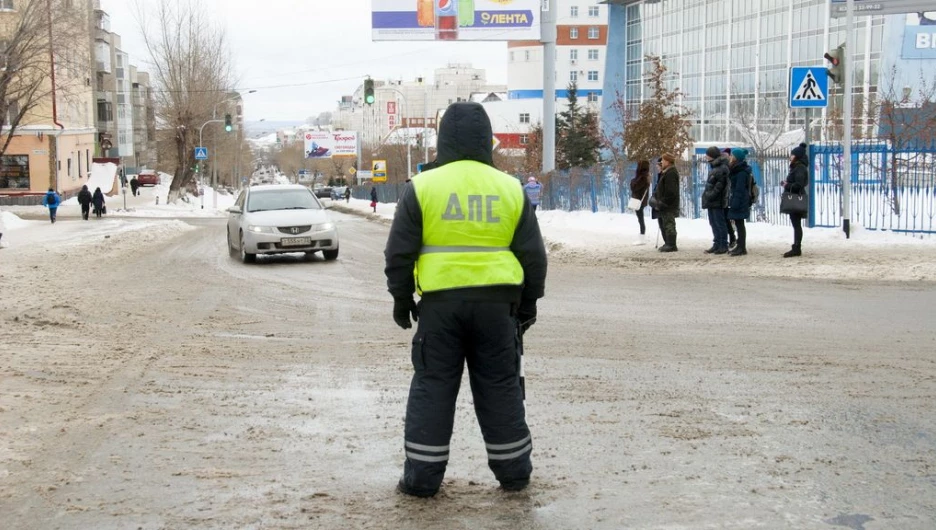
(590, 239)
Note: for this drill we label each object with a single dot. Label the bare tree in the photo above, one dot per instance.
(533, 157)
(660, 124)
(762, 122)
(192, 72)
(27, 55)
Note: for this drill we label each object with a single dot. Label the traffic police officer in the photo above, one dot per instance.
(466, 238)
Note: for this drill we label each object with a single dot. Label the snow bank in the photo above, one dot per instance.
(9, 221)
(104, 176)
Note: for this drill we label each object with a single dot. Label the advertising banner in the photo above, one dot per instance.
(465, 20)
(324, 144)
(920, 36)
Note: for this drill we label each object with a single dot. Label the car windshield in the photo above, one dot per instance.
(261, 201)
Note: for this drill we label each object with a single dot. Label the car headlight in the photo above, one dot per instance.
(260, 229)
(325, 226)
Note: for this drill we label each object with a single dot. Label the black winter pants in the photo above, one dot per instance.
(85, 211)
(797, 221)
(742, 233)
(450, 333)
(640, 219)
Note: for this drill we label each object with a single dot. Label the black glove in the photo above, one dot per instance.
(526, 314)
(654, 203)
(402, 309)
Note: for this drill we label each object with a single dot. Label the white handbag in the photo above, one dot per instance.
(634, 203)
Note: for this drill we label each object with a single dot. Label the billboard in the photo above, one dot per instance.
(324, 144)
(452, 20)
(920, 36)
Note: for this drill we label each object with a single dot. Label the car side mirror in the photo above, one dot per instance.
(234, 209)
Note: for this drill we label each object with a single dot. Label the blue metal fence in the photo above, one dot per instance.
(891, 189)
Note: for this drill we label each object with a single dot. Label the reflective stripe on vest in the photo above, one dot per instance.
(470, 212)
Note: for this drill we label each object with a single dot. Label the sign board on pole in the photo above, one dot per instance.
(391, 107)
(809, 87)
(201, 153)
(324, 144)
(391, 120)
(451, 20)
(882, 7)
(379, 171)
(351, 171)
(364, 174)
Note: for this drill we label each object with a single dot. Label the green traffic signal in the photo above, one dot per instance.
(228, 126)
(369, 91)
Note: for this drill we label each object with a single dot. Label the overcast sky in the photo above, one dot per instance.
(283, 42)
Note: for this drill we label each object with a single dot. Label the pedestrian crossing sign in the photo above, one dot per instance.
(201, 153)
(809, 87)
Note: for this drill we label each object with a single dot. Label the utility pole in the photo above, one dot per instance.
(847, 102)
(548, 38)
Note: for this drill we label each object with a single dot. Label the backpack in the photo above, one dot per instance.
(755, 191)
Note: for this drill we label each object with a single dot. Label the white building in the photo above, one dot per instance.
(414, 103)
(581, 42)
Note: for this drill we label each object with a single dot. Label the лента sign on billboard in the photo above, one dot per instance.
(496, 20)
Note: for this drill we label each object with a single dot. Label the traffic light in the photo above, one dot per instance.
(228, 126)
(837, 70)
(369, 91)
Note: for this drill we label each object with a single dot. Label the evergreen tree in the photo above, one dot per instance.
(578, 138)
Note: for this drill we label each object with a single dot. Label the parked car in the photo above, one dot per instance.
(279, 219)
(337, 193)
(148, 178)
(323, 192)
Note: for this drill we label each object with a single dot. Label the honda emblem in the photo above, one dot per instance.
(295, 230)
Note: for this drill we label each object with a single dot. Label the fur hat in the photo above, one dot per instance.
(713, 152)
(739, 154)
(799, 151)
(669, 158)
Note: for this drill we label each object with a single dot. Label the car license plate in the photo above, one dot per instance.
(296, 241)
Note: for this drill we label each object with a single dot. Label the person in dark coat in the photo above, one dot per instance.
(465, 236)
(373, 198)
(134, 186)
(797, 182)
(729, 224)
(739, 208)
(640, 189)
(98, 201)
(665, 202)
(347, 194)
(715, 198)
(84, 199)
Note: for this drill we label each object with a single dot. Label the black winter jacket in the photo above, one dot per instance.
(667, 191)
(464, 134)
(797, 180)
(84, 197)
(98, 199)
(715, 195)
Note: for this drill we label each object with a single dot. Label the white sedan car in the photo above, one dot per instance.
(278, 219)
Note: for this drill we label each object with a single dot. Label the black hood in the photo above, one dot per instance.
(465, 134)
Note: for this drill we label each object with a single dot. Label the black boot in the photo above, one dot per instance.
(673, 243)
(794, 252)
(667, 246)
(711, 250)
(739, 250)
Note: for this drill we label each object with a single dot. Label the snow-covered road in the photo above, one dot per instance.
(150, 381)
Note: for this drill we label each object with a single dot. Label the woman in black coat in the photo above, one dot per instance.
(739, 200)
(84, 199)
(640, 189)
(797, 182)
(98, 201)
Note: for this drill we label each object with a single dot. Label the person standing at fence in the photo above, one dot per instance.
(740, 202)
(796, 182)
(714, 199)
(534, 190)
(373, 198)
(640, 190)
(665, 202)
(729, 225)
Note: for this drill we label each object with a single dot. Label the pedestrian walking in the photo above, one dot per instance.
(664, 203)
(347, 194)
(640, 189)
(729, 224)
(534, 191)
(52, 201)
(466, 239)
(796, 182)
(97, 200)
(84, 199)
(715, 199)
(134, 185)
(373, 198)
(740, 200)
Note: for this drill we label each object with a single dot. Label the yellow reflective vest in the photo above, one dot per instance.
(470, 212)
